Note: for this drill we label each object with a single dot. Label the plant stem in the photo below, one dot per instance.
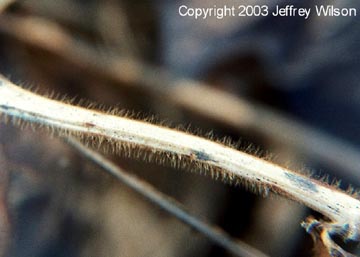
(342, 209)
(236, 112)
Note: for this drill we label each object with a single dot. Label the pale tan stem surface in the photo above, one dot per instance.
(342, 209)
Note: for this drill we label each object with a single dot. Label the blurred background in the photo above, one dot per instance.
(283, 88)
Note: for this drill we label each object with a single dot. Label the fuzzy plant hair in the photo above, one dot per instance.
(137, 138)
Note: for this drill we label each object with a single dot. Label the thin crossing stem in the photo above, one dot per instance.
(168, 204)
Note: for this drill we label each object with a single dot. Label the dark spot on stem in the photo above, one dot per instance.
(334, 209)
(89, 125)
(4, 107)
(302, 182)
(201, 156)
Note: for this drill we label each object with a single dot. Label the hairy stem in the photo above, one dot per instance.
(235, 112)
(342, 209)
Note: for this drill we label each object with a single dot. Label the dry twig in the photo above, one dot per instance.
(235, 111)
(127, 135)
